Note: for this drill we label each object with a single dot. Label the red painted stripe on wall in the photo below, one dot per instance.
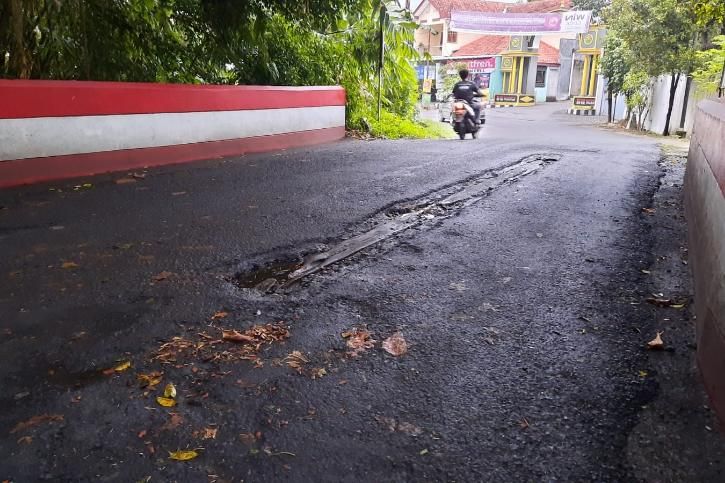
(34, 170)
(30, 99)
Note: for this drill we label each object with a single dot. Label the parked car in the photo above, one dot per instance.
(446, 106)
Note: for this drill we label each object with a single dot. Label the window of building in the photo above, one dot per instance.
(541, 76)
(452, 37)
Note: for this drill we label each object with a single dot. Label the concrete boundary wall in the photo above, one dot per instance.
(58, 129)
(705, 210)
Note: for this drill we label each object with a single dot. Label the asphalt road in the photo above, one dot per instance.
(522, 306)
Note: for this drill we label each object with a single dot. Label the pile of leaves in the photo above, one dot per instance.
(227, 346)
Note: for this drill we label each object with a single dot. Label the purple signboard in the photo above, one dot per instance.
(520, 23)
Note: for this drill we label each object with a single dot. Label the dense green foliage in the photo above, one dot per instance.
(392, 127)
(660, 38)
(712, 66)
(277, 42)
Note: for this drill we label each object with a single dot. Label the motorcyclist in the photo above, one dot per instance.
(469, 92)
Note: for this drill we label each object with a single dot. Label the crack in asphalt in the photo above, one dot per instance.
(439, 204)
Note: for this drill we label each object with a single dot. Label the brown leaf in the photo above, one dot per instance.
(395, 345)
(219, 315)
(174, 422)
(142, 434)
(149, 380)
(296, 359)
(161, 276)
(69, 265)
(358, 341)
(657, 343)
(35, 421)
(25, 440)
(235, 336)
(209, 433)
(318, 372)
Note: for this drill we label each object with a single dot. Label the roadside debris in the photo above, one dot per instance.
(168, 400)
(36, 421)
(229, 345)
(395, 345)
(161, 276)
(657, 343)
(183, 455)
(660, 301)
(296, 360)
(358, 341)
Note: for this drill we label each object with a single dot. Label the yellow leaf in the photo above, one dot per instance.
(643, 373)
(678, 306)
(170, 391)
(122, 366)
(166, 402)
(68, 265)
(149, 380)
(183, 455)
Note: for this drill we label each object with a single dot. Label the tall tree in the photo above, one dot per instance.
(614, 66)
(660, 35)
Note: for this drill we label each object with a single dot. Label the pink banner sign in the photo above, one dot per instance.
(521, 23)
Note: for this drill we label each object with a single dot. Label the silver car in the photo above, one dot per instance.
(446, 106)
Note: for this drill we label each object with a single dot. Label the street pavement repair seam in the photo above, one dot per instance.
(440, 204)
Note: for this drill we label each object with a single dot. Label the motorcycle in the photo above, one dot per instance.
(463, 119)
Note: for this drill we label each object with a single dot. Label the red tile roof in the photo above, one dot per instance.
(486, 45)
(548, 54)
(445, 7)
(496, 44)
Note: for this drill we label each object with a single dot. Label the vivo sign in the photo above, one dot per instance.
(521, 23)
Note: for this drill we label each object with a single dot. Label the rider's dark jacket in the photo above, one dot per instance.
(466, 90)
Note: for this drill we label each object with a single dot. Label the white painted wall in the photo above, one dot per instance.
(659, 102)
(55, 136)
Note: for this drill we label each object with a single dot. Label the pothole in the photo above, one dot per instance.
(437, 205)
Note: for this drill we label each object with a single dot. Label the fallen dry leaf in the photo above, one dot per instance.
(665, 302)
(219, 315)
(161, 276)
(170, 391)
(149, 380)
(232, 335)
(166, 402)
(296, 359)
(395, 345)
(122, 366)
(209, 433)
(183, 455)
(358, 341)
(25, 440)
(142, 434)
(174, 422)
(35, 421)
(69, 265)
(649, 211)
(657, 343)
(318, 372)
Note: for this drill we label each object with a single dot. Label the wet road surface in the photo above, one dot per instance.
(516, 268)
